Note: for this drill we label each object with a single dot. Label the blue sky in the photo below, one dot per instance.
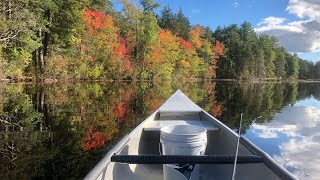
(215, 13)
(296, 23)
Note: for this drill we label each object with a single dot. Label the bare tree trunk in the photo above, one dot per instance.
(40, 53)
(137, 38)
(42, 102)
(42, 106)
(46, 39)
(9, 9)
(35, 58)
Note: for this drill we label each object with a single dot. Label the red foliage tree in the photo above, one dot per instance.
(94, 140)
(121, 111)
(185, 44)
(122, 53)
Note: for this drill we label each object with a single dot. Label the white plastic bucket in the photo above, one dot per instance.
(182, 140)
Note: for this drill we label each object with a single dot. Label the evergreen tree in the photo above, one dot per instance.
(280, 62)
(182, 25)
(292, 66)
(166, 19)
(305, 68)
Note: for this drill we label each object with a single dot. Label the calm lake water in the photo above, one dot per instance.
(60, 131)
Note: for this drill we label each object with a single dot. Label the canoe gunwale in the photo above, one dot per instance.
(103, 163)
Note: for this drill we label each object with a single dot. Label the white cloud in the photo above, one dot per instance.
(272, 21)
(301, 153)
(235, 4)
(305, 8)
(297, 36)
(267, 132)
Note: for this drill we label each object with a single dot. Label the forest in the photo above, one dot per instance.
(91, 39)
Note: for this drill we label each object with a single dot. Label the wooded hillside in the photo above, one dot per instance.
(89, 39)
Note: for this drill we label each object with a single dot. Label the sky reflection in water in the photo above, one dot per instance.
(292, 138)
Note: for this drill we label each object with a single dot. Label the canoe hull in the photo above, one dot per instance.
(145, 138)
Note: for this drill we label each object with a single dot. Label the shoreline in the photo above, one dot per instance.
(54, 80)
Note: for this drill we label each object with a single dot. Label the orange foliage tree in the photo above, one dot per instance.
(207, 53)
(216, 109)
(195, 36)
(106, 53)
(163, 55)
(102, 32)
(187, 55)
(217, 53)
(217, 50)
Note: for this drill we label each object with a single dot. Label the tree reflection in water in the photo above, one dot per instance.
(60, 131)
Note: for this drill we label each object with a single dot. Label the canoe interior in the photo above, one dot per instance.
(221, 141)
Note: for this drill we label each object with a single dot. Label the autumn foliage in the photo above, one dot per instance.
(122, 52)
(167, 38)
(94, 140)
(111, 51)
(95, 20)
(195, 36)
(185, 44)
(216, 110)
(98, 41)
(103, 45)
(217, 50)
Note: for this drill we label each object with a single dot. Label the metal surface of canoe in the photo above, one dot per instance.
(136, 156)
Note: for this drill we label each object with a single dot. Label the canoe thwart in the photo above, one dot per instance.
(158, 124)
(179, 159)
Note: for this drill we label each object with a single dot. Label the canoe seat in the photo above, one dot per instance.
(158, 124)
(167, 115)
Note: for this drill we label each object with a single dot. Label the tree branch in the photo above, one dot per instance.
(9, 35)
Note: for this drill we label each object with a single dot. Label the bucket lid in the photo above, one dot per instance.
(183, 130)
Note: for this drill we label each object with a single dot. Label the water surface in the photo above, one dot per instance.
(60, 131)
(292, 138)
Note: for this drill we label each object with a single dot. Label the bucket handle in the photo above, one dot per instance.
(160, 148)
